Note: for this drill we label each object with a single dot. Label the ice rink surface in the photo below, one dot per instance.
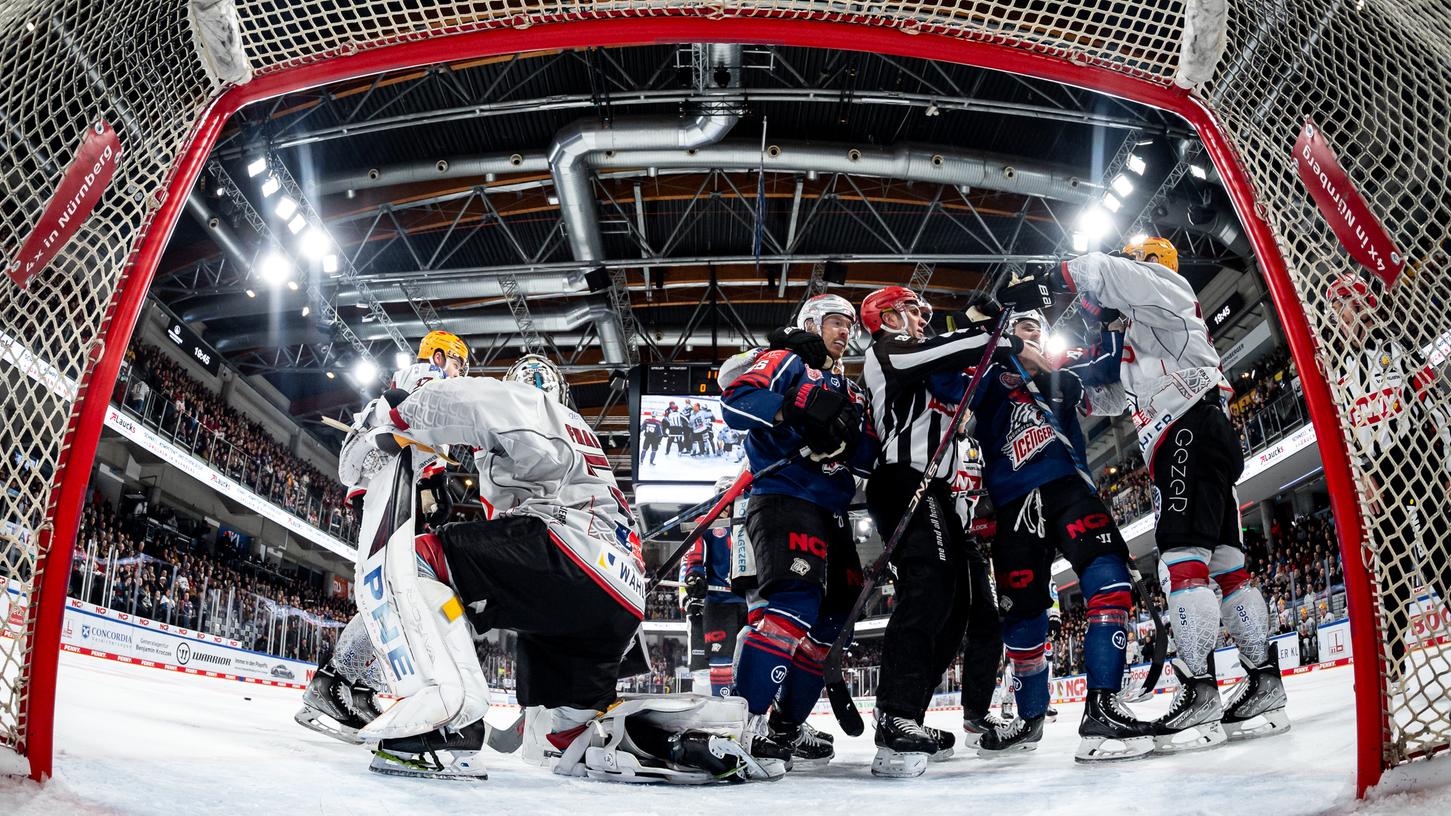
(138, 740)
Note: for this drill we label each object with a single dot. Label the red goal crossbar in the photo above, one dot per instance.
(84, 429)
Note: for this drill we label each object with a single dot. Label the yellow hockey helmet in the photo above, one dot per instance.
(1160, 250)
(450, 344)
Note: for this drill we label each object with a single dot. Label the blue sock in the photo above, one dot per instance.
(770, 644)
(1024, 639)
(1108, 593)
(804, 683)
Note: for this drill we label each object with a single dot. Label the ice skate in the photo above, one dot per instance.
(808, 748)
(434, 755)
(1018, 735)
(722, 757)
(1052, 714)
(1257, 707)
(903, 747)
(945, 742)
(1193, 720)
(974, 725)
(773, 756)
(1109, 731)
(332, 706)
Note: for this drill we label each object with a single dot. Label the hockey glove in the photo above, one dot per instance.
(364, 453)
(825, 419)
(695, 586)
(982, 309)
(1055, 626)
(1101, 314)
(1009, 346)
(809, 347)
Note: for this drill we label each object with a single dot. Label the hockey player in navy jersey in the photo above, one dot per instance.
(1045, 504)
(807, 567)
(707, 580)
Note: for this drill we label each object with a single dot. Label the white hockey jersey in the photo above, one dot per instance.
(1392, 406)
(1169, 361)
(538, 458)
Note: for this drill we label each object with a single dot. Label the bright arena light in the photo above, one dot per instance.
(365, 372)
(1095, 222)
(285, 207)
(256, 166)
(1055, 345)
(274, 269)
(1139, 238)
(315, 244)
(270, 186)
(402, 359)
(1122, 185)
(1136, 164)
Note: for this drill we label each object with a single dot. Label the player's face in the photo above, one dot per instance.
(450, 365)
(1029, 331)
(836, 333)
(1354, 317)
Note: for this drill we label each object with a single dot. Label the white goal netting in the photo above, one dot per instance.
(1373, 74)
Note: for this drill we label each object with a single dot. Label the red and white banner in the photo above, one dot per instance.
(1358, 230)
(75, 197)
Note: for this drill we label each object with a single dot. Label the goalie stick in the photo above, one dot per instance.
(1161, 632)
(837, 692)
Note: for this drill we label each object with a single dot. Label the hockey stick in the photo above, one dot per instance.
(1161, 632)
(403, 441)
(723, 501)
(842, 704)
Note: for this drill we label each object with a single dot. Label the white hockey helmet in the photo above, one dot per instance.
(536, 370)
(815, 309)
(1034, 315)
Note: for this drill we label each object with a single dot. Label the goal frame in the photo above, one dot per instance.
(87, 414)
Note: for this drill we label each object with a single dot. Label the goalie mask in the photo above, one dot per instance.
(536, 370)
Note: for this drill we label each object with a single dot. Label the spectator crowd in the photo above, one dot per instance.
(166, 397)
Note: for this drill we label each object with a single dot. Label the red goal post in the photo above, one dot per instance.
(141, 72)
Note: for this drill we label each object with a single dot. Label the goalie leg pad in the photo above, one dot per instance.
(418, 627)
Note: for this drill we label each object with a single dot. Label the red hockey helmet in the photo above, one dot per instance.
(888, 300)
(1349, 285)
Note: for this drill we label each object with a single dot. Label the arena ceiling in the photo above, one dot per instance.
(430, 198)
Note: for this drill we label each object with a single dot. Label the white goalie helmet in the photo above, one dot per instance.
(536, 370)
(815, 309)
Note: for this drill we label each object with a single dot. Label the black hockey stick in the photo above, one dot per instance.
(837, 692)
(1161, 632)
(722, 501)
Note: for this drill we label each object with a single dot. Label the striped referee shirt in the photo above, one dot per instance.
(915, 386)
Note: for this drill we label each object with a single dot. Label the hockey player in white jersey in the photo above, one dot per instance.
(341, 697)
(557, 561)
(1177, 392)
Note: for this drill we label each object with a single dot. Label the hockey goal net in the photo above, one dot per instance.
(164, 74)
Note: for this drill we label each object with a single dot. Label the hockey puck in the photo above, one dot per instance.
(248, 699)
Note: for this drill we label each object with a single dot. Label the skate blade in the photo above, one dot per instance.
(1091, 749)
(941, 756)
(1206, 736)
(1271, 723)
(314, 721)
(463, 766)
(971, 740)
(892, 765)
(1021, 747)
(804, 763)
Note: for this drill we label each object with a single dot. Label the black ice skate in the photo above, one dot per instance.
(1193, 720)
(1052, 714)
(331, 706)
(945, 742)
(437, 754)
(1018, 735)
(903, 747)
(1110, 731)
(808, 747)
(975, 725)
(772, 755)
(721, 757)
(1257, 706)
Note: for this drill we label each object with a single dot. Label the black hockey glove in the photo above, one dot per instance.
(1009, 346)
(694, 606)
(1098, 313)
(1027, 294)
(826, 420)
(809, 347)
(695, 586)
(982, 309)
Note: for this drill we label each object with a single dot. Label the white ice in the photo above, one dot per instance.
(139, 740)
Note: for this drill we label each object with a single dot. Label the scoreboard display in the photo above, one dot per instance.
(681, 380)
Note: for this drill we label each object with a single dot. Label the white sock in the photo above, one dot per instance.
(1247, 618)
